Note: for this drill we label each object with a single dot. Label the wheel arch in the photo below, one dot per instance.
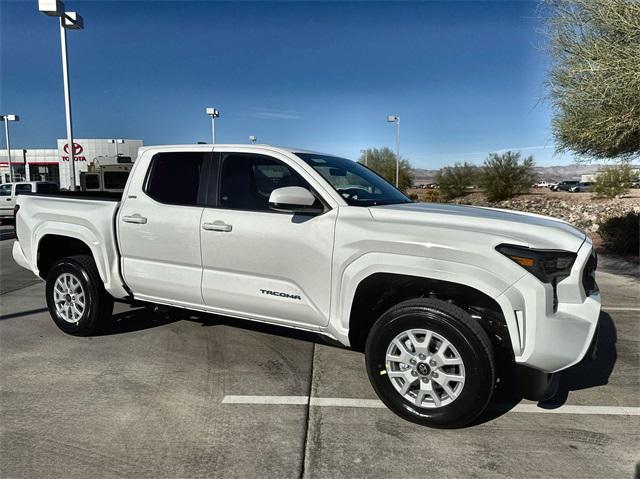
(398, 278)
(54, 241)
(53, 247)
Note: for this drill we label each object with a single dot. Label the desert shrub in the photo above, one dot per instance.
(454, 180)
(593, 80)
(613, 180)
(429, 196)
(622, 234)
(505, 175)
(383, 162)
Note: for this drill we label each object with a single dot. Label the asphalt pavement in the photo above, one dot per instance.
(189, 395)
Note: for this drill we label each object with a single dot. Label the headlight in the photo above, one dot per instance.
(549, 266)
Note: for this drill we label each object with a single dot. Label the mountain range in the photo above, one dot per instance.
(549, 173)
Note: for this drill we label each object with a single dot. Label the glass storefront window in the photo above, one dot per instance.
(19, 173)
(44, 173)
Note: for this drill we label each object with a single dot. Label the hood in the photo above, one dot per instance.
(528, 229)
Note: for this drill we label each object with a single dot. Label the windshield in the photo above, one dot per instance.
(357, 184)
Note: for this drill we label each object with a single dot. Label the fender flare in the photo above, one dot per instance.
(106, 261)
(371, 263)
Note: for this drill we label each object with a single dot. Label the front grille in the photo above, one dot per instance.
(589, 274)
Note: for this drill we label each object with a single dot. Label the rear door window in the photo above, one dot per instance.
(174, 178)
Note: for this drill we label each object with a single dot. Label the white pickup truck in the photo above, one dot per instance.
(430, 292)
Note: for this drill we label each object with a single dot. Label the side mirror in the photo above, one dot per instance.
(294, 199)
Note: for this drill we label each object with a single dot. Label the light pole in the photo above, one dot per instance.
(71, 21)
(396, 119)
(213, 113)
(365, 152)
(7, 119)
(115, 142)
(253, 139)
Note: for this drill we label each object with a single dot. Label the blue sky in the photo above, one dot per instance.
(466, 78)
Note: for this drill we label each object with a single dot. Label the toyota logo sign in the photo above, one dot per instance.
(77, 148)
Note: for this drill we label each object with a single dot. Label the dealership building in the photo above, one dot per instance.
(43, 164)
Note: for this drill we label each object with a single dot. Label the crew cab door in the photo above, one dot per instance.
(260, 263)
(159, 227)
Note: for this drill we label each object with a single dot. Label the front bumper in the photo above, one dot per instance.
(554, 338)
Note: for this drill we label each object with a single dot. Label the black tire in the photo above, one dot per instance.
(98, 307)
(467, 337)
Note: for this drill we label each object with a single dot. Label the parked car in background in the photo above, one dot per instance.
(635, 183)
(581, 187)
(9, 191)
(565, 185)
(541, 184)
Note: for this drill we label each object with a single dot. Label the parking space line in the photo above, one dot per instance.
(376, 404)
(347, 402)
(265, 400)
(613, 308)
(569, 409)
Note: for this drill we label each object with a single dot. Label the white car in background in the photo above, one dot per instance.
(9, 192)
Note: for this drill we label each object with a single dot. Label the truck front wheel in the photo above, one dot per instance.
(431, 363)
(76, 298)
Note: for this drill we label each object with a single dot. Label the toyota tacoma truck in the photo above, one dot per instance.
(433, 294)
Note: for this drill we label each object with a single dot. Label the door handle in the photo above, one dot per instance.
(217, 226)
(137, 219)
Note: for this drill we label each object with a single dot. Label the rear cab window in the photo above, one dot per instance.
(23, 188)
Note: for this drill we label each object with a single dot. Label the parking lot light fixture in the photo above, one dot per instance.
(7, 119)
(73, 21)
(51, 8)
(396, 119)
(213, 113)
(68, 21)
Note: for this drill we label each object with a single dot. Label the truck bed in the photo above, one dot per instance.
(86, 217)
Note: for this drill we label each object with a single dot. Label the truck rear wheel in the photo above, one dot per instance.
(431, 363)
(76, 298)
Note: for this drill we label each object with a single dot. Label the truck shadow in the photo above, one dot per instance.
(588, 373)
(137, 319)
